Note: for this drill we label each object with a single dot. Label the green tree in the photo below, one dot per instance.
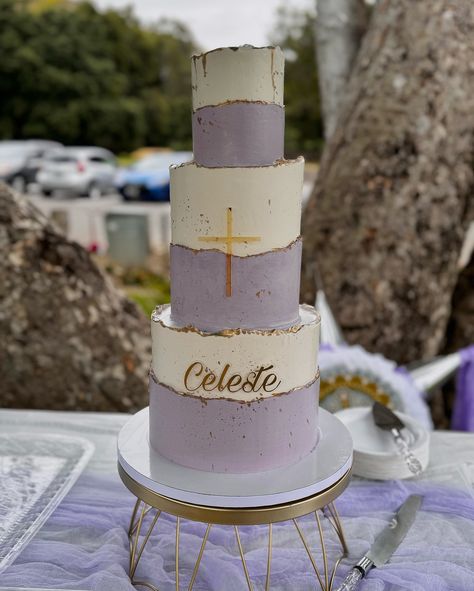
(294, 33)
(72, 73)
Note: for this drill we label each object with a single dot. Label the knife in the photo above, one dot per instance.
(385, 544)
(388, 420)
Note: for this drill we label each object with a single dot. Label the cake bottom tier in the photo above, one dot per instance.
(222, 435)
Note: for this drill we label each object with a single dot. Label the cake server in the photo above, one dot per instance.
(388, 420)
(385, 544)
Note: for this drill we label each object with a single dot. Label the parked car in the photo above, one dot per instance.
(20, 161)
(85, 171)
(149, 178)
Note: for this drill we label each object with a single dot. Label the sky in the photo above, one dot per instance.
(214, 23)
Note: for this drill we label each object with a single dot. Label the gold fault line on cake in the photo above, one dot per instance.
(205, 399)
(231, 332)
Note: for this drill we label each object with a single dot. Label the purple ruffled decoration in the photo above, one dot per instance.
(355, 360)
(463, 414)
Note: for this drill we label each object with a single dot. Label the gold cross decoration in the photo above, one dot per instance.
(229, 239)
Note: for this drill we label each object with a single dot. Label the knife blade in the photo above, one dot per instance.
(385, 544)
(386, 419)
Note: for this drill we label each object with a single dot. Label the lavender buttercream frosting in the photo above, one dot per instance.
(265, 288)
(222, 435)
(238, 134)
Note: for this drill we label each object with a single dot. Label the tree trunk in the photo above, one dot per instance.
(386, 219)
(340, 26)
(69, 339)
(460, 330)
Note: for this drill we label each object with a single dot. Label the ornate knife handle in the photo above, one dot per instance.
(355, 576)
(411, 461)
(351, 582)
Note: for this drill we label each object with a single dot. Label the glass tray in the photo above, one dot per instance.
(36, 472)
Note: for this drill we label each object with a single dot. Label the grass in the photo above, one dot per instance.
(147, 298)
(146, 288)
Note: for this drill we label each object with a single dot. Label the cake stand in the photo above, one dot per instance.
(285, 494)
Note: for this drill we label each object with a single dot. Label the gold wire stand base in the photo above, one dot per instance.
(150, 502)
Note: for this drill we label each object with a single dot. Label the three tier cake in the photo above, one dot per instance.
(234, 383)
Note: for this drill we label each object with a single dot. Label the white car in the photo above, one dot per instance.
(84, 171)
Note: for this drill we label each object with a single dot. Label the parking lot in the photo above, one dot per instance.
(119, 210)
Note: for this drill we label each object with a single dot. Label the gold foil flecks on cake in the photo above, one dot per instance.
(272, 71)
(230, 332)
(229, 73)
(266, 202)
(258, 399)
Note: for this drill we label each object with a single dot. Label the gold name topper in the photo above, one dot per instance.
(198, 376)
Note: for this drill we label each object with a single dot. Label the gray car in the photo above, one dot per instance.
(84, 171)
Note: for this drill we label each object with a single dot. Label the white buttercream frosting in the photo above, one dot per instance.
(265, 203)
(238, 73)
(289, 357)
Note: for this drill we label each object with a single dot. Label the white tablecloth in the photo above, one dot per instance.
(452, 460)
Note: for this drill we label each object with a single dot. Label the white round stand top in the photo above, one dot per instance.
(318, 471)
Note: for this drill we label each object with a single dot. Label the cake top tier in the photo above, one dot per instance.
(246, 73)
